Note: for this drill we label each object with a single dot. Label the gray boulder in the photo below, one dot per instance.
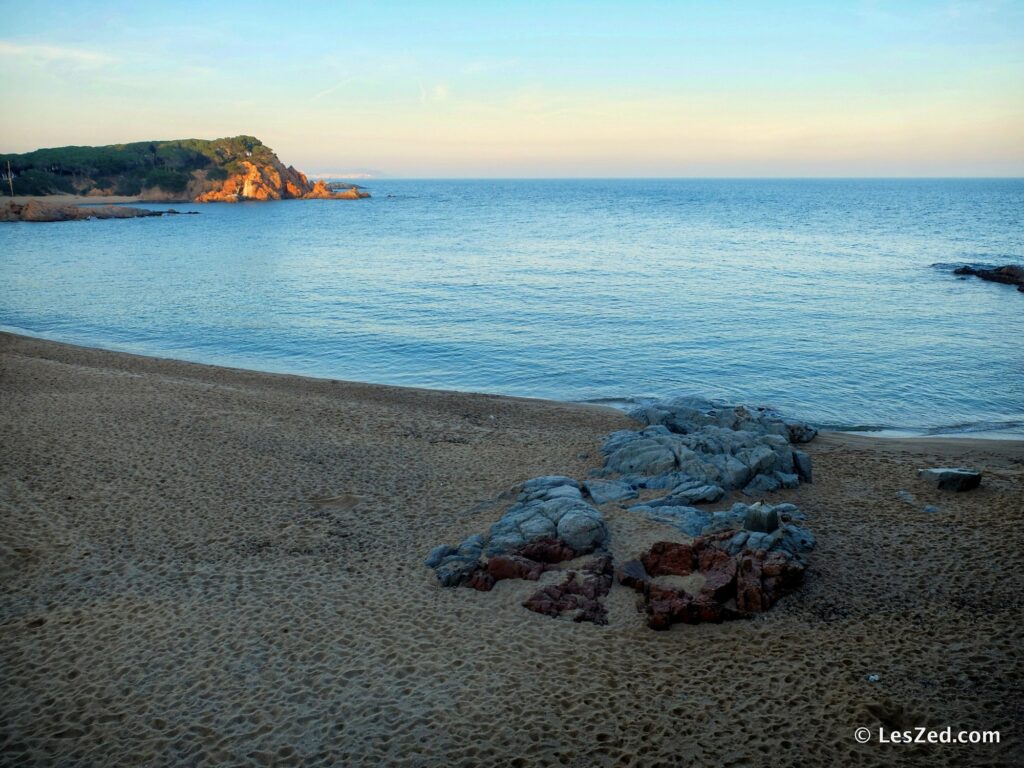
(951, 478)
(455, 570)
(684, 415)
(438, 554)
(762, 518)
(645, 455)
(546, 508)
(688, 493)
(802, 464)
(603, 491)
(762, 484)
(787, 480)
(688, 520)
(796, 540)
(582, 529)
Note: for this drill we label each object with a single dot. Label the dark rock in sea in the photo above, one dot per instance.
(37, 211)
(951, 479)
(1011, 274)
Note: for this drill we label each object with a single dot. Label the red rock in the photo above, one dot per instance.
(603, 565)
(514, 567)
(573, 594)
(632, 574)
(547, 551)
(663, 613)
(480, 580)
(719, 569)
(749, 593)
(667, 558)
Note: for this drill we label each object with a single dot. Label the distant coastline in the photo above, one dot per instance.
(234, 169)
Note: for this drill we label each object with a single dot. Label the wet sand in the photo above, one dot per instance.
(207, 566)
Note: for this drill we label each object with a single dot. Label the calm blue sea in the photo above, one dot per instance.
(817, 297)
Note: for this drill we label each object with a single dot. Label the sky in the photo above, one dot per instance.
(533, 89)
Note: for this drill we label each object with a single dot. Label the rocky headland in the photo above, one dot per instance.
(234, 169)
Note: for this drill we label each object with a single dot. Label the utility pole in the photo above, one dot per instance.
(10, 177)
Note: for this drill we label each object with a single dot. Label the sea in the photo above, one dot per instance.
(831, 300)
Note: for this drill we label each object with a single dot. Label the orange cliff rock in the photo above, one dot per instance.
(273, 182)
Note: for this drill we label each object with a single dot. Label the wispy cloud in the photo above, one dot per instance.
(332, 89)
(41, 53)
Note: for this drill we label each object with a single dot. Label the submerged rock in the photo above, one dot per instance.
(1010, 274)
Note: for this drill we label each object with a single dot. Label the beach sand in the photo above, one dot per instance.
(206, 566)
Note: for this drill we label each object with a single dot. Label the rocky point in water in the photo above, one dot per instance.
(37, 211)
(233, 169)
(740, 560)
(1010, 274)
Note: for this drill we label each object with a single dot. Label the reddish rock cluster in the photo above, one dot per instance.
(273, 181)
(733, 585)
(528, 563)
(580, 591)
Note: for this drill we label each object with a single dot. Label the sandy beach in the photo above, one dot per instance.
(209, 566)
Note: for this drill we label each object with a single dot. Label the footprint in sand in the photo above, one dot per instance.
(343, 501)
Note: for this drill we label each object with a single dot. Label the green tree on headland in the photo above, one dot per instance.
(127, 169)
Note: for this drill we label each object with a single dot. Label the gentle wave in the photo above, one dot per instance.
(817, 297)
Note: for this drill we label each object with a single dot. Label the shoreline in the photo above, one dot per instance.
(228, 561)
(619, 405)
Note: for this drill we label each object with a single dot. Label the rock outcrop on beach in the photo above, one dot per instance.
(549, 516)
(742, 559)
(37, 211)
(951, 478)
(700, 449)
(1011, 274)
(738, 572)
(198, 170)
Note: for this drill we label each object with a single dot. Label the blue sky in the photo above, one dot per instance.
(534, 89)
